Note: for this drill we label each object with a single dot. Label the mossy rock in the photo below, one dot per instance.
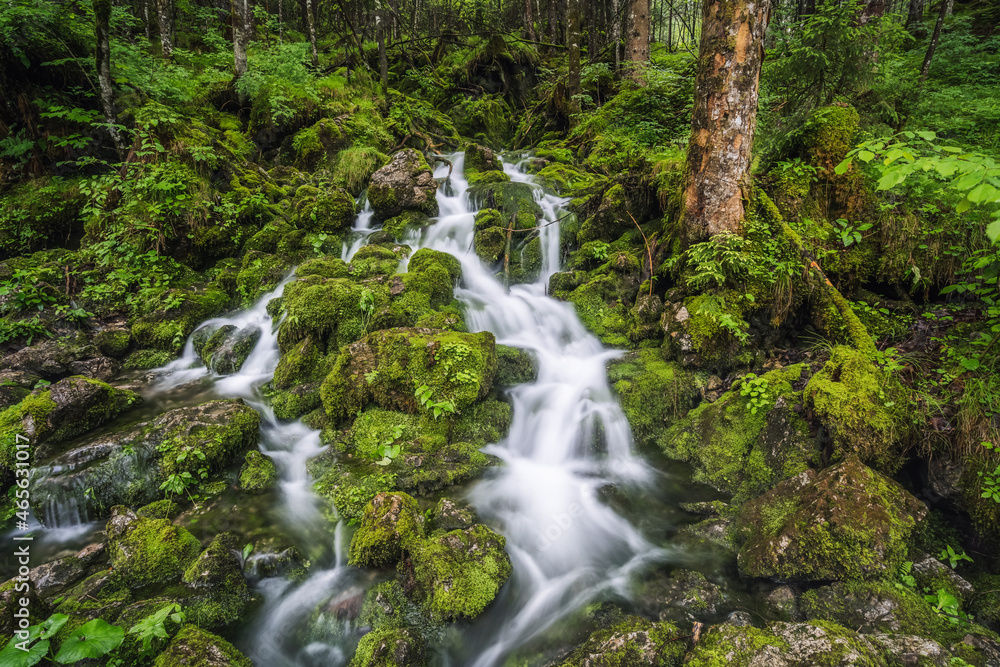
(480, 158)
(862, 406)
(566, 180)
(785, 645)
(632, 641)
(332, 212)
(602, 305)
(390, 647)
(350, 488)
(298, 401)
(515, 201)
(148, 551)
(223, 350)
(259, 273)
(160, 509)
(194, 647)
(845, 522)
(653, 393)
(114, 343)
(221, 592)
(315, 146)
(458, 574)
(406, 224)
(267, 239)
(387, 367)
(830, 135)
(258, 473)
(406, 183)
(744, 445)
(390, 525)
(377, 260)
(325, 310)
(326, 266)
(141, 360)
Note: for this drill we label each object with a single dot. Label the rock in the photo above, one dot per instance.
(217, 575)
(12, 592)
(258, 473)
(54, 577)
(114, 343)
(479, 158)
(683, 596)
(56, 358)
(332, 211)
(845, 522)
(15, 386)
(782, 604)
(743, 445)
(739, 619)
(944, 479)
(862, 406)
(633, 641)
(932, 574)
(906, 650)
(148, 551)
(391, 523)
(390, 647)
(128, 467)
(193, 647)
(458, 574)
(449, 515)
(406, 183)
(167, 328)
(385, 366)
(225, 349)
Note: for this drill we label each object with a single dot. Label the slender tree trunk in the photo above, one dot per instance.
(951, 8)
(616, 33)
(529, 20)
(724, 118)
(637, 42)
(165, 21)
(383, 59)
(573, 88)
(240, 10)
(145, 17)
(102, 31)
(281, 21)
(311, 32)
(926, 67)
(915, 15)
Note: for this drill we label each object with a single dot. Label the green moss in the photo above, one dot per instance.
(143, 359)
(150, 551)
(862, 406)
(481, 178)
(259, 273)
(159, 509)
(168, 328)
(219, 443)
(314, 146)
(847, 522)
(327, 311)
(217, 576)
(194, 647)
(391, 525)
(113, 342)
(267, 239)
(830, 134)
(458, 574)
(391, 196)
(386, 368)
(325, 267)
(515, 366)
(350, 489)
(479, 158)
(602, 310)
(332, 211)
(406, 224)
(376, 260)
(355, 166)
(296, 402)
(513, 200)
(740, 451)
(389, 647)
(258, 473)
(632, 641)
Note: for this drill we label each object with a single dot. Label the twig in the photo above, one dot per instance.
(649, 252)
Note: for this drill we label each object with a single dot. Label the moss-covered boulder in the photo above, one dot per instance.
(331, 212)
(194, 647)
(406, 183)
(391, 524)
(451, 370)
(53, 359)
(632, 641)
(844, 522)
(749, 439)
(390, 647)
(167, 328)
(862, 406)
(480, 158)
(148, 551)
(221, 595)
(259, 273)
(618, 207)
(458, 574)
(114, 343)
(315, 147)
(515, 366)
(224, 349)
(258, 473)
(327, 311)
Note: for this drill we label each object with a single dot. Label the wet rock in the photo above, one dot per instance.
(258, 473)
(54, 359)
(385, 366)
(390, 647)
(633, 641)
(264, 563)
(784, 645)
(166, 328)
(346, 605)
(225, 349)
(100, 595)
(449, 515)
(645, 318)
(847, 521)
(932, 574)
(15, 386)
(739, 619)
(782, 604)
(515, 366)
(907, 650)
(114, 343)
(12, 592)
(682, 596)
(391, 523)
(458, 574)
(193, 646)
(217, 576)
(406, 183)
(148, 551)
(55, 576)
(481, 158)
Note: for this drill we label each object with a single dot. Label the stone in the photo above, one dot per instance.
(406, 183)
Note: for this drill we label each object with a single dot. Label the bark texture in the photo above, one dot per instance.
(102, 32)
(573, 88)
(929, 56)
(725, 115)
(241, 35)
(165, 22)
(637, 44)
(311, 31)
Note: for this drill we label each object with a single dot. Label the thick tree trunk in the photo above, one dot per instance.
(915, 15)
(241, 34)
(724, 118)
(102, 31)
(926, 67)
(311, 32)
(165, 22)
(872, 11)
(573, 88)
(637, 42)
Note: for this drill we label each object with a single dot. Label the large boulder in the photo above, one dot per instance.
(56, 358)
(451, 370)
(406, 183)
(148, 551)
(844, 522)
(221, 592)
(391, 524)
(632, 641)
(224, 349)
(194, 647)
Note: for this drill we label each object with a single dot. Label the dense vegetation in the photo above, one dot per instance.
(826, 366)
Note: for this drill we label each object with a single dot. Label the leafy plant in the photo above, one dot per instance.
(953, 558)
(849, 233)
(387, 451)
(93, 640)
(154, 626)
(990, 481)
(367, 307)
(947, 605)
(437, 408)
(758, 391)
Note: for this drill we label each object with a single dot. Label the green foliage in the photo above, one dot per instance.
(154, 627)
(990, 484)
(757, 389)
(424, 395)
(953, 558)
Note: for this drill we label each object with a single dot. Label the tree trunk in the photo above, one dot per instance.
(872, 10)
(950, 8)
(383, 59)
(637, 42)
(311, 32)
(616, 34)
(240, 10)
(165, 21)
(573, 88)
(281, 21)
(926, 67)
(145, 17)
(102, 31)
(915, 15)
(529, 20)
(724, 118)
